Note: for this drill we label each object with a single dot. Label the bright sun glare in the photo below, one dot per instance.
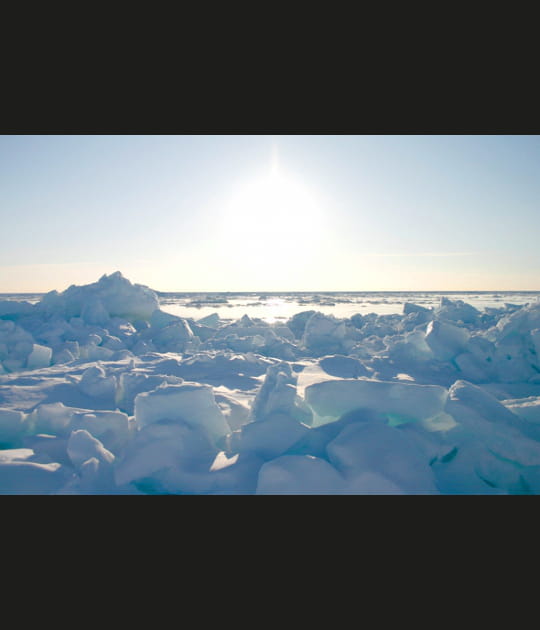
(271, 231)
(274, 210)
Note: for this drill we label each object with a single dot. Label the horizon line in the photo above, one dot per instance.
(309, 292)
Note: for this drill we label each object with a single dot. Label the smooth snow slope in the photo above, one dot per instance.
(103, 391)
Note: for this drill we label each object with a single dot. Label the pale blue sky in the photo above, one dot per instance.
(256, 212)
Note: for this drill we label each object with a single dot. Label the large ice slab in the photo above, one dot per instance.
(14, 309)
(481, 401)
(213, 320)
(82, 446)
(278, 395)
(381, 451)
(409, 349)
(168, 456)
(297, 323)
(12, 426)
(315, 441)
(399, 402)
(191, 403)
(49, 446)
(96, 383)
(132, 382)
(299, 474)
(445, 339)
(483, 419)
(457, 311)
(324, 334)
(173, 337)
(472, 469)
(26, 477)
(40, 357)
(343, 366)
(109, 427)
(222, 366)
(51, 418)
(270, 438)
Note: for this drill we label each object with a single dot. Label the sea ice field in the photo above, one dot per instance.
(113, 388)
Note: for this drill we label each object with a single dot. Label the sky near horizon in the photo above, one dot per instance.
(271, 212)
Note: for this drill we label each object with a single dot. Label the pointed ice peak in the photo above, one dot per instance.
(116, 275)
(246, 321)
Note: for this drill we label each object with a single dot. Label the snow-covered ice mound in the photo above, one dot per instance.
(103, 392)
(110, 296)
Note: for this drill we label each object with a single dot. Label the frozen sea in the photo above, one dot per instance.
(280, 306)
(112, 388)
(272, 307)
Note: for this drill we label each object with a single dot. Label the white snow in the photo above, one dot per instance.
(110, 427)
(299, 474)
(171, 455)
(82, 446)
(269, 438)
(103, 391)
(527, 408)
(51, 418)
(110, 296)
(386, 452)
(95, 383)
(25, 477)
(39, 357)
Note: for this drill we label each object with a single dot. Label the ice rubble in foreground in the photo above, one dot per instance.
(103, 392)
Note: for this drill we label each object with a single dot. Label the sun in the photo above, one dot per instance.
(270, 232)
(277, 208)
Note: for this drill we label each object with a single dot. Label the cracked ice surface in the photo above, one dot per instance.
(103, 391)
